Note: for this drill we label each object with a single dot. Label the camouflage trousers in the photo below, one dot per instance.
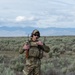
(32, 67)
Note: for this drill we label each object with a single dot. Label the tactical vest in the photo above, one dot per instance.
(34, 51)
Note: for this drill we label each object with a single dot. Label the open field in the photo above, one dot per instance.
(9, 53)
(59, 61)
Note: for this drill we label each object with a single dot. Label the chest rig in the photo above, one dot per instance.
(35, 50)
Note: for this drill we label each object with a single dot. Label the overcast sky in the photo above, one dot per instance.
(37, 13)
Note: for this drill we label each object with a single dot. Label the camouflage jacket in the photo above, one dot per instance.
(35, 50)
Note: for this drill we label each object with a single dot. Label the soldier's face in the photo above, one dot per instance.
(35, 37)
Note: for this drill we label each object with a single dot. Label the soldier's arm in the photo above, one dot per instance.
(22, 49)
(45, 48)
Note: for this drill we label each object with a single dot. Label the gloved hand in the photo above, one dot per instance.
(26, 47)
(39, 43)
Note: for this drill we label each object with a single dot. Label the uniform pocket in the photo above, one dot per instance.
(34, 52)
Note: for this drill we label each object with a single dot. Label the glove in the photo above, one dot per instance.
(26, 47)
(39, 43)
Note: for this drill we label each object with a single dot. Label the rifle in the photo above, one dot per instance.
(44, 39)
(27, 51)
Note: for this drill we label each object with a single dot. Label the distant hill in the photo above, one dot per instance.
(51, 31)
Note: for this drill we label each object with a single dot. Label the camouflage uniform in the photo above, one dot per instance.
(33, 61)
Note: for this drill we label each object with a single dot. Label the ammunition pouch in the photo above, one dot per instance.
(34, 51)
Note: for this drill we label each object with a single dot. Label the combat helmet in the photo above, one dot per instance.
(34, 32)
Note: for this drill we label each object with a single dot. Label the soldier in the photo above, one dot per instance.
(34, 49)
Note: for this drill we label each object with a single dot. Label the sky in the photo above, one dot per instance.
(36, 13)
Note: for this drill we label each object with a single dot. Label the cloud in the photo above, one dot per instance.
(39, 13)
(20, 21)
(20, 18)
(61, 21)
(23, 18)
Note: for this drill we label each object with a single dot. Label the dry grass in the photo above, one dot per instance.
(9, 53)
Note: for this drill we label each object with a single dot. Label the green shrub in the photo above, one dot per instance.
(6, 71)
